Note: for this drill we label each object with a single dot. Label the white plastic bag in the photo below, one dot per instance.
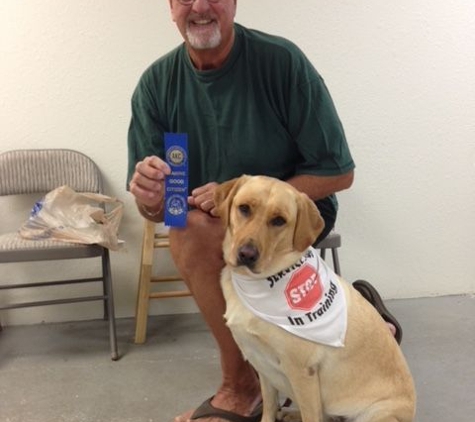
(69, 216)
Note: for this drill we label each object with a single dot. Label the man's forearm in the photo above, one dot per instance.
(318, 187)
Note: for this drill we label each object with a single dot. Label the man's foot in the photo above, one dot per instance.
(224, 407)
(373, 297)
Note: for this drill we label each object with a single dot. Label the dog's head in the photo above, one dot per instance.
(268, 224)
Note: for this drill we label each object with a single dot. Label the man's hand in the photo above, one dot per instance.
(202, 198)
(148, 182)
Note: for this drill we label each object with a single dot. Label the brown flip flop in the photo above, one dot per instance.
(373, 297)
(207, 410)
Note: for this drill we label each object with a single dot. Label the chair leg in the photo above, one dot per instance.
(336, 261)
(104, 289)
(109, 302)
(322, 253)
(143, 298)
(143, 293)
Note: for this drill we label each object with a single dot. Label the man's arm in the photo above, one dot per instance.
(318, 187)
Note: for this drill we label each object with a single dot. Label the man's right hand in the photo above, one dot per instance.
(148, 182)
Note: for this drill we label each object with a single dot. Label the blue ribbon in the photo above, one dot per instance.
(176, 184)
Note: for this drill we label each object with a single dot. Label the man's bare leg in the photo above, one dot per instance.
(197, 253)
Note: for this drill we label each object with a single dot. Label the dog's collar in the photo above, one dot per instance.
(305, 299)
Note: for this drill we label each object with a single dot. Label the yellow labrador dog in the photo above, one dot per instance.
(310, 335)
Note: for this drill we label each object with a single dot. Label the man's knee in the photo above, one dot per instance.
(199, 242)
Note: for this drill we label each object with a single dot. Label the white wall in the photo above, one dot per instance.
(401, 74)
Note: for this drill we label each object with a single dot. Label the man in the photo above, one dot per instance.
(250, 103)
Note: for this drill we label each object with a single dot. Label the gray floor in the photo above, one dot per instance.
(62, 372)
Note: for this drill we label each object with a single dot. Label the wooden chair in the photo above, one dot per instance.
(153, 240)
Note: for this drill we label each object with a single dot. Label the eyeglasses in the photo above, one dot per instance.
(190, 2)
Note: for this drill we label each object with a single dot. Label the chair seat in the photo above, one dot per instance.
(332, 241)
(14, 248)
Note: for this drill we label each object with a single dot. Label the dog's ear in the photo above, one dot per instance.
(309, 223)
(224, 194)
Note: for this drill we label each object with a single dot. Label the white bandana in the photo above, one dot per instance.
(305, 299)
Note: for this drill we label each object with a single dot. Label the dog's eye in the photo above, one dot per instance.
(278, 221)
(245, 210)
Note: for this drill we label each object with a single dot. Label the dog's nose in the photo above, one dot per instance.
(248, 255)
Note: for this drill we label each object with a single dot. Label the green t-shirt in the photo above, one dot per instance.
(265, 111)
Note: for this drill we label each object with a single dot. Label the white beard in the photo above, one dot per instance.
(204, 41)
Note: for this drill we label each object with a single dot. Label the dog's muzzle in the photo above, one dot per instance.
(248, 255)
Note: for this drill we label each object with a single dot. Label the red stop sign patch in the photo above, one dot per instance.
(304, 289)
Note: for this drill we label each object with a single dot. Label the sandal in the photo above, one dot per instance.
(373, 297)
(207, 410)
